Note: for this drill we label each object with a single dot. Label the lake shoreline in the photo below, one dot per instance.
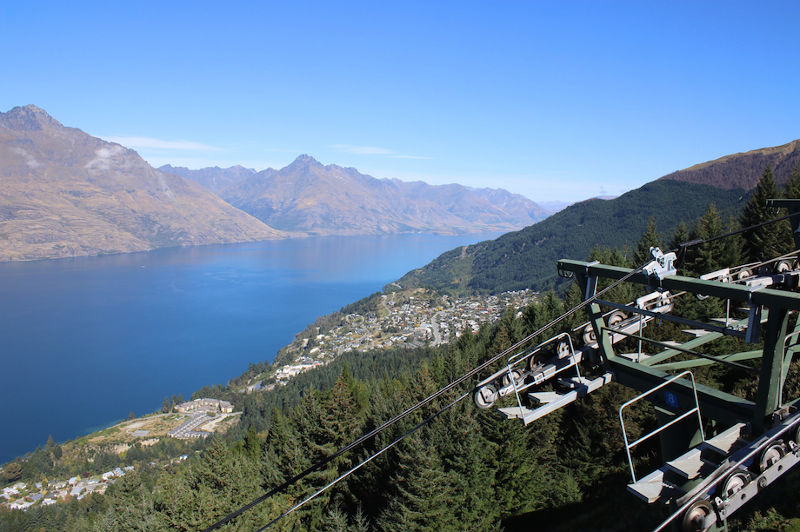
(103, 336)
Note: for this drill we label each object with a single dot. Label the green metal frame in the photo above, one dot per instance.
(774, 306)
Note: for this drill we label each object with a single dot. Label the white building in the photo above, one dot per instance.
(205, 405)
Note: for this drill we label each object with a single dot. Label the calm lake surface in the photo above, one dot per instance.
(85, 341)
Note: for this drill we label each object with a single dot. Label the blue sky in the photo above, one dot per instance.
(553, 100)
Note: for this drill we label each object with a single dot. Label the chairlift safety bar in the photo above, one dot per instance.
(696, 409)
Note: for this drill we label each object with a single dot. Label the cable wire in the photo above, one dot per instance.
(681, 251)
(366, 461)
(421, 403)
(441, 391)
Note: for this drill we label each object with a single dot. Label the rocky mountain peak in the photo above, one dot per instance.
(305, 160)
(28, 118)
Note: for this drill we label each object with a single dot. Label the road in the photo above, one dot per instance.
(437, 337)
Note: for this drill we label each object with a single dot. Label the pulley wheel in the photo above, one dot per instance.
(782, 266)
(562, 350)
(516, 374)
(770, 455)
(588, 334)
(485, 397)
(734, 483)
(615, 318)
(695, 516)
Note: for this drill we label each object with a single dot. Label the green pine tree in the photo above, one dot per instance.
(423, 494)
(471, 462)
(791, 189)
(680, 236)
(131, 507)
(650, 238)
(768, 241)
(711, 256)
(282, 457)
(252, 444)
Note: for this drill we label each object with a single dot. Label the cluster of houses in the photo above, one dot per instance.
(22, 496)
(303, 364)
(284, 373)
(408, 321)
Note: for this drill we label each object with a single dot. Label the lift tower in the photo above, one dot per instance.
(719, 449)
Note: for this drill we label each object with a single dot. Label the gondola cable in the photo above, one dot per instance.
(681, 251)
(420, 404)
(365, 462)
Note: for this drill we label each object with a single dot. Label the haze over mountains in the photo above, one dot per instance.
(311, 198)
(65, 193)
(215, 179)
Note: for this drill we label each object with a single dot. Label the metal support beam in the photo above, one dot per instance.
(686, 364)
(710, 358)
(604, 345)
(724, 407)
(793, 347)
(771, 379)
(691, 344)
(764, 296)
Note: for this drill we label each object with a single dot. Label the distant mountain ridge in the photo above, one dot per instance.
(310, 198)
(65, 193)
(742, 170)
(215, 179)
(527, 258)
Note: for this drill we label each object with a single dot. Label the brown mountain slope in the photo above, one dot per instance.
(65, 193)
(311, 198)
(742, 170)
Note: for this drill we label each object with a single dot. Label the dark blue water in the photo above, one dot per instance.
(85, 341)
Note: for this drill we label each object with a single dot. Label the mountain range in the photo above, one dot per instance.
(308, 197)
(66, 193)
(527, 258)
(214, 178)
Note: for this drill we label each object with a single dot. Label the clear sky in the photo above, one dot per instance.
(553, 100)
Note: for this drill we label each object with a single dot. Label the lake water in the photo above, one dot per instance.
(85, 341)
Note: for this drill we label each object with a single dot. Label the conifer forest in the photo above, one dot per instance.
(466, 469)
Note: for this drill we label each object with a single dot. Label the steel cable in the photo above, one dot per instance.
(443, 390)
(421, 403)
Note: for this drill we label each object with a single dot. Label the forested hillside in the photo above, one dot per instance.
(742, 170)
(527, 258)
(466, 469)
